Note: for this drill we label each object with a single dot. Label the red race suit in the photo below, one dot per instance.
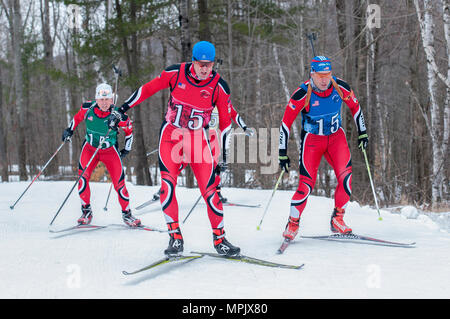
(183, 136)
(110, 156)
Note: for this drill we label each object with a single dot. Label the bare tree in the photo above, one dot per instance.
(3, 141)
(47, 100)
(185, 38)
(16, 31)
(438, 131)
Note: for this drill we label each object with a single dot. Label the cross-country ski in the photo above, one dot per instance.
(163, 261)
(92, 227)
(360, 239)
(250, 260)
(241, 205)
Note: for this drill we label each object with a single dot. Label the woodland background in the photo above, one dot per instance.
(394, 54)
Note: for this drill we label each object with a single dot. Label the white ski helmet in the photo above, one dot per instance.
(103, 91)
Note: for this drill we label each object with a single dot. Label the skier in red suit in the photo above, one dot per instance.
(96, 114)
(195, 90)
(319, 100)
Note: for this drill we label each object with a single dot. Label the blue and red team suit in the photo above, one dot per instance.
(321, 135)
(183, 141)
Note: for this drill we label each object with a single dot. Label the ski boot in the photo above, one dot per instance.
(176, 242)
(129, 219)
(291, 228)
(337, 224)
(86, 216)
(222, 245)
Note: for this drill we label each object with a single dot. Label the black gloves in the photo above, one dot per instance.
(248, 131)
(221, 167)
(363, 141)
(123, 153)
(114, 119)
(284, 162)
(67, 134)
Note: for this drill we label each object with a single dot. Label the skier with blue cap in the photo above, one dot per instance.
(195, 91)
(319, 100)
(203, 51)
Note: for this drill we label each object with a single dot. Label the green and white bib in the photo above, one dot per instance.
(96, 130)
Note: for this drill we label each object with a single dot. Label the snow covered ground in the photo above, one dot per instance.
(88, 264)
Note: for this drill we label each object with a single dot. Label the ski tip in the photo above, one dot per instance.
(126, 273)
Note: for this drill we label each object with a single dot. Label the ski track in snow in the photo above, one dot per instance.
(88, 263)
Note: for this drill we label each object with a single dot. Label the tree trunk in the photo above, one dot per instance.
(185, 37)
(143, 176)
(3, 141)
(230, 41)
(435, 128)
(49, 133)
(142, 171)
(74, 96)
(446, 133)
(287, 94)
(204, 30)
(17, 37)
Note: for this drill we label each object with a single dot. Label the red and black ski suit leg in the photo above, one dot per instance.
(335, 150)
(178, 148)
(111, 158)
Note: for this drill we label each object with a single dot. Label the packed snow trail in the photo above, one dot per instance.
(35, 263)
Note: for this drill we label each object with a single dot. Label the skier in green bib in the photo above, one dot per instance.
(96, 114)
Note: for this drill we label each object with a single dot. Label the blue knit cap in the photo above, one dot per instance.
(203, 51)
(320, 64)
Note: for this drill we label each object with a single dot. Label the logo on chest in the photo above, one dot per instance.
(90, 118)
(205, 94)
(336, 98)
(316, 103)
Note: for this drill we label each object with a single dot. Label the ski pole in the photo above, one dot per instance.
(150, 153)
(81, 175)
(312, 38)
(107, 198)
(270, 199)
(371, 184)
(117, 72)
(196, 202)
(39, 174)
